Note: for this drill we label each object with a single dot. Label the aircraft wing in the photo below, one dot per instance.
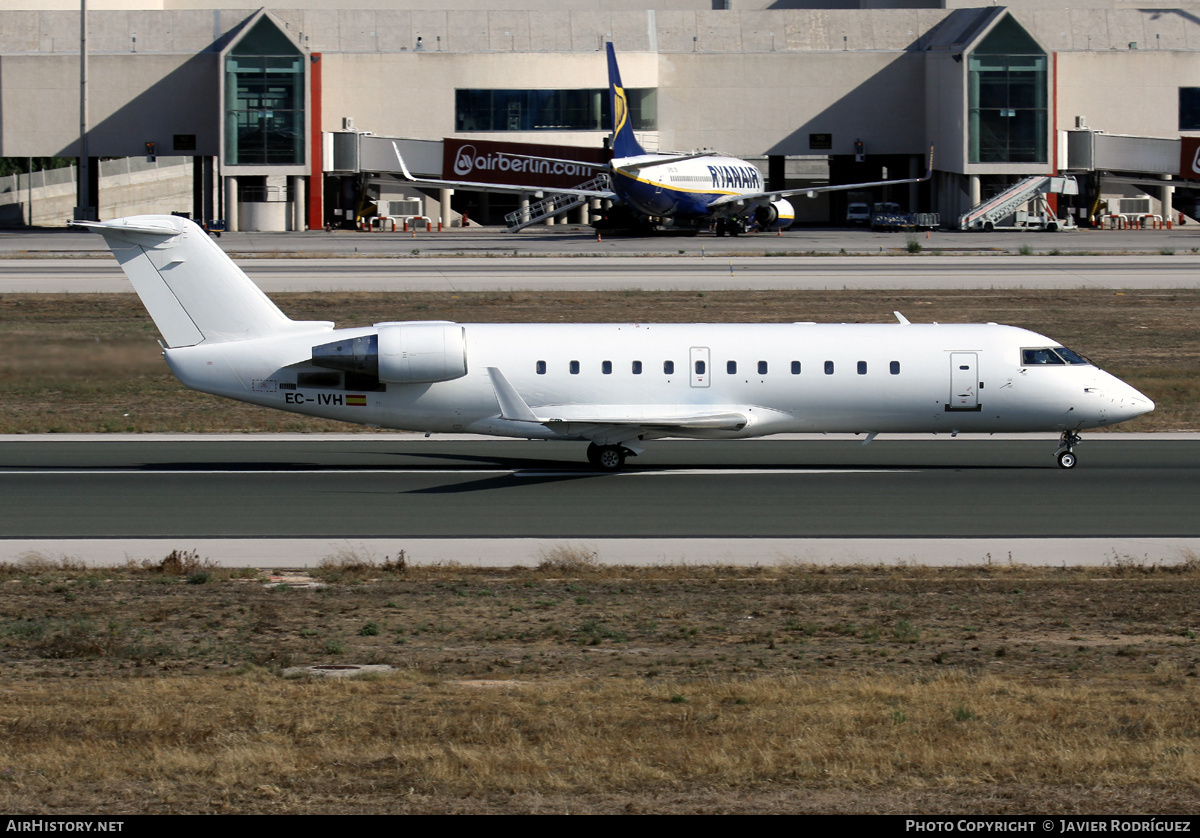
(504, 187)
(812, 192)
(624, 415)
(655, 417)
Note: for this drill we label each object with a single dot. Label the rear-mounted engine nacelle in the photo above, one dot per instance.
(400, 353)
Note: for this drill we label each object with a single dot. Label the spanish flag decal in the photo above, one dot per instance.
(356, 401)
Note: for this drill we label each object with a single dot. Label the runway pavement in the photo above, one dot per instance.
(963, 500)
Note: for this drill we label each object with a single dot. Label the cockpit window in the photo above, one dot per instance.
(1039, 357)
(1071, 357)
(1050, 355)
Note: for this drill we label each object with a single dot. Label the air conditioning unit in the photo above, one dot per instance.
(400, 206)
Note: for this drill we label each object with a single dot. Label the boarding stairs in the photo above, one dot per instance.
(554, 205)
(988, 214)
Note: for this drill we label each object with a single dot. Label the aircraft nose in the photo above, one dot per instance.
(1140, 404)
(1129, 403)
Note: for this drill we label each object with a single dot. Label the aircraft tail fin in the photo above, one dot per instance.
(192, 289)
(624, 144)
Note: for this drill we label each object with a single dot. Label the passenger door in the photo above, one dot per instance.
(700, 366)
(964, 381)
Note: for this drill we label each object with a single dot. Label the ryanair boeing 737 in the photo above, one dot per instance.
(679, 191)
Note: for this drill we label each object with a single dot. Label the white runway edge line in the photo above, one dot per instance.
(271, 553)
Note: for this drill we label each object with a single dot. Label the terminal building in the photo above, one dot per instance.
(292, 115)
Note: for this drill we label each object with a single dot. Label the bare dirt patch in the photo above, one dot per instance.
(996, 689)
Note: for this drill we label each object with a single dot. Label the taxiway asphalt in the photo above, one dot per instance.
(575, 241)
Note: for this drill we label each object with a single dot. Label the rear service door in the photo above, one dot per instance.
(964, 381)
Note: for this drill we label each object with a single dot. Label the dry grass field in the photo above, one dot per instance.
(90, 363)
(574, 687)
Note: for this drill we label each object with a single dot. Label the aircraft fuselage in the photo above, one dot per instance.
(779, 377)
(684, 189)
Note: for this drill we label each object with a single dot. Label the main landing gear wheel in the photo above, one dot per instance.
(607, 457)
(1066, 449)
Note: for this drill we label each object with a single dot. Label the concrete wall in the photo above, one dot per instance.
(56, 30)
(127, 187)
(1101, 29)
(763, 103)
(563, 25)
(746, 104)
(1125, 92)
(525, 26)
(131, 100)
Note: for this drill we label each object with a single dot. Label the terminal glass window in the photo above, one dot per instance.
(549, 110)
(264, 100)
(1189, 109)
(1007, 83)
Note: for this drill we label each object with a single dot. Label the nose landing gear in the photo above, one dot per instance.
(1066, 449)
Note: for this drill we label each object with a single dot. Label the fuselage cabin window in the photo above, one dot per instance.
(637, 367)
(574, 368)
(699, 368)
(829, 367)
(862, 367)
(895, 367)
(669, 367)
(541, 367)
(795, 367)
(731, 367)
(606, 367)
(762, 367)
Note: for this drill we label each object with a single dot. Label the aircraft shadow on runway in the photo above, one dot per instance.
(524, 467)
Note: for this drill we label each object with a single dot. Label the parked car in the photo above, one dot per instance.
(858, 213)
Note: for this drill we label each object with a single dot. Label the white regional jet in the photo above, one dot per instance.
(677, 191)
(613, 385)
